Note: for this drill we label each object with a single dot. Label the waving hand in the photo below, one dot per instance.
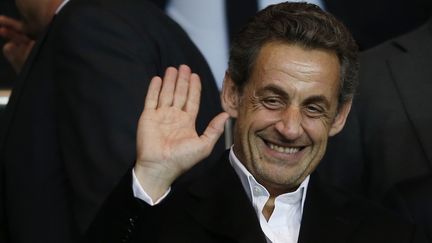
(167, 141)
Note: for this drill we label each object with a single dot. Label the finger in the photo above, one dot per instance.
(181, 89)
(14, 36)
(151, 100)
(168, 86)
(194, 95)
(214, 130)
(11, 23)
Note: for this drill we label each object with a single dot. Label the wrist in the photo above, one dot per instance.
(155, 180)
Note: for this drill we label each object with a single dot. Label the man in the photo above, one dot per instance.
(290, 82)
(390, 112)
(71, 120)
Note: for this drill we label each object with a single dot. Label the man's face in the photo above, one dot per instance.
(285, 114)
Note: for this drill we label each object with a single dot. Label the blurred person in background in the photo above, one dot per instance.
(386, 146)
(20, 34)
(7, 73)
(69, 132)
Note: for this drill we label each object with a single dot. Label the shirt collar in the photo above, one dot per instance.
(249, 182)
(61, 6)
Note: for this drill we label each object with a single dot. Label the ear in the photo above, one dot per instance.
(230, 96)
(340, 119)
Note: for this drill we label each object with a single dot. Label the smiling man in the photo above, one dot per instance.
(290, 83)
(285, 114)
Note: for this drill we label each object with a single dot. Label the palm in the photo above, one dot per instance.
(168, 135)
(167, 141)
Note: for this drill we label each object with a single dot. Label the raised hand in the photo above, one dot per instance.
(167, 141)
(18, 45)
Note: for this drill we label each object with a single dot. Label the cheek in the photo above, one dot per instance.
(262, 119)
(249, 126)
(316, 129)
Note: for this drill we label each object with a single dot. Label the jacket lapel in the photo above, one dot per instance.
(326, 216)
(221, 205)
(412, 72)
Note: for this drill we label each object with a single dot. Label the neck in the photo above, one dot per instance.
(268, 208)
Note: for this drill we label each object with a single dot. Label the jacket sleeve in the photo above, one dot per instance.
(120, 217)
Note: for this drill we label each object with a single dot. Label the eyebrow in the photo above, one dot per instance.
(274, 89)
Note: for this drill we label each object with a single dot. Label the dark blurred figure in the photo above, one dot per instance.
(71, 119)
(7, 73)
(17, 39)
(20, 35)
(387, 140)
(18, 42)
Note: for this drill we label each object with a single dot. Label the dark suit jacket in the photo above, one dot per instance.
(388, 137)
(413, 199)
(71, 122)
(214, 208)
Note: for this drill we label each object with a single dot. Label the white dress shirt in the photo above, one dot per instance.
(284, 224)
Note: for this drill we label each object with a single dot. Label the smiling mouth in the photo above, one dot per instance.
(282, 149)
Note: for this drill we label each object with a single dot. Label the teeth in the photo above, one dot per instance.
(286, 150)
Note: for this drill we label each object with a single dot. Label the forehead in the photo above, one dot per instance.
(291, 66)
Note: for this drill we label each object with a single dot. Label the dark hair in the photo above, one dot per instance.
(300, 24)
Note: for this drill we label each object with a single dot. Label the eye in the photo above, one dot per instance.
(272, 102)
(314, 110)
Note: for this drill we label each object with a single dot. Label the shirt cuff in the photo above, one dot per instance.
(139, 192)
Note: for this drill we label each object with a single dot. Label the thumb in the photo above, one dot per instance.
(214, 130)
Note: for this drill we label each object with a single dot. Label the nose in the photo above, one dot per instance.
(290, 123)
